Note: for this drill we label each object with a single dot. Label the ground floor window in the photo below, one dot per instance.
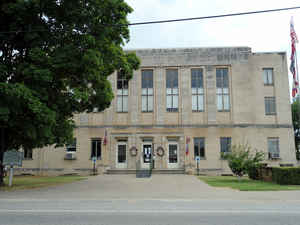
(27, 153)
(225, 145)
(273, 148)
(72, 146)
(96, 148)
(199, 147)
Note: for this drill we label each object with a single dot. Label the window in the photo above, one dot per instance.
(122, 93)
(96, 148)
(199, 147)
(273, 148)
(27, 153)
(72, 146)
(197, 90)
(172, 90)
(222, 79)
(147, 90)
(270, 106)
(268, 76)
(225, 144)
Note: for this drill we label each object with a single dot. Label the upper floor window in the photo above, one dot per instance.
(268, 76)
(270, 106)
(197, 90)
(223, 102)
(72, 146)
(172, 90)
(199, 147)
(225, 145)
(147, 90)
(122, 93)
(96, 148)
(273, 148)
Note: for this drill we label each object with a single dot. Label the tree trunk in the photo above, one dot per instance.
(1, 157)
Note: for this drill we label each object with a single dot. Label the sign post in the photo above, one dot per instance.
(12, 158)
(94, 159)
(197, 158)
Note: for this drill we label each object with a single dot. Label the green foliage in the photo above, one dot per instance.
(55, 58)
(241, 158)
(296, 125)
(286, 175)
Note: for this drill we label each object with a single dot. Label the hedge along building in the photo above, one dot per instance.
(183, 103)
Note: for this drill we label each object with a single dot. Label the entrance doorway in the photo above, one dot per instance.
(146, 155)
(173, 159)
(121, 160)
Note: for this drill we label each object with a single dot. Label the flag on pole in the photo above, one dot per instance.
(105, 137)
(187, 146)
(293, 66)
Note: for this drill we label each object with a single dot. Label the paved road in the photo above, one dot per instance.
(160, 200)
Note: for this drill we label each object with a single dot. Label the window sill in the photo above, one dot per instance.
(122, 112)
(271, 114)
(223, 110)
(197, 111)
(28, 159)
(147, 111)
(271, 85)
(97, 159)
(274, 159)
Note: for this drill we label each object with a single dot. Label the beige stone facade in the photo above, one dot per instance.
(245, 121)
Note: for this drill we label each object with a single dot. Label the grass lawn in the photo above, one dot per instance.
(29, 182)
(245, 184)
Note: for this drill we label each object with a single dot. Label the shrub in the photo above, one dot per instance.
(287, 175)
(242, 159)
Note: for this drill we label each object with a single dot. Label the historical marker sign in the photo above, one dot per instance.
(13, 158)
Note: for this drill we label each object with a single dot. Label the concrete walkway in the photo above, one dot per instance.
(157, 187)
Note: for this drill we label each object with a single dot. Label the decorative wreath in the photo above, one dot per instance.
(133, 151)
(160, 151)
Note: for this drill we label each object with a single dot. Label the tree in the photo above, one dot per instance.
(296, 125)
(241, 158)
(55, 58)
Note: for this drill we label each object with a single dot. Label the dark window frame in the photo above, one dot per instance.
(223, 83)
(148, 85)
(28, 153)
(225, 146)
(72, 147)
(172, 83)
(122, 84)
(198, 84)
(277, 150)
(97, 152)
(268, 83)
(268, 106)
(199, 145)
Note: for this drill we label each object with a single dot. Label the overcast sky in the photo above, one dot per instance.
(262, 32)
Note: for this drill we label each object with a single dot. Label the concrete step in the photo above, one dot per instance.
(143, 173)
(154, 171)
(168, 171)
(121, 171)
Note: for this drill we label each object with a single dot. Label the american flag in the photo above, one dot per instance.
(187, 145)
(105, 137)
(293, 65)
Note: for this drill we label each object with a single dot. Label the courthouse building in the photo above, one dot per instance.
(180, 104)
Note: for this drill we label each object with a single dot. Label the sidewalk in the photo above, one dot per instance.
(157, 187)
